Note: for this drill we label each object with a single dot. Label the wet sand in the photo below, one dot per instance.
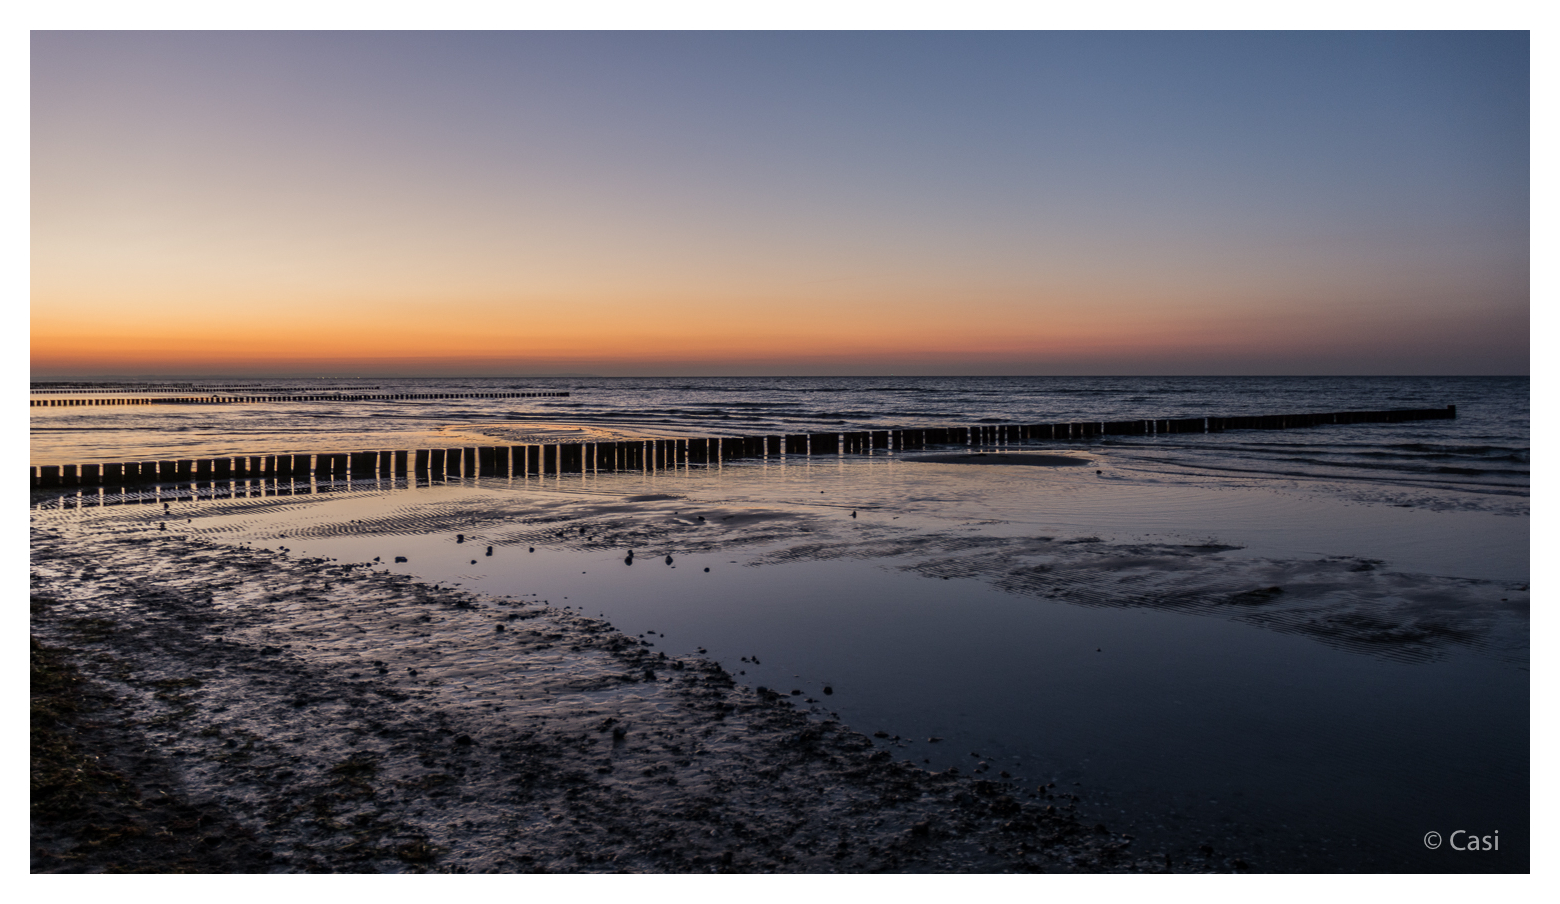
(1033, 459)
(237, 623)
(267, 713)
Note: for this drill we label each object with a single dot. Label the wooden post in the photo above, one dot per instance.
(363, 464)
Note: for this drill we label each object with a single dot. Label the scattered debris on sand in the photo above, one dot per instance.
(207, 707)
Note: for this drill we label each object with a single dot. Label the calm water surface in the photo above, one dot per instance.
(1182, 726)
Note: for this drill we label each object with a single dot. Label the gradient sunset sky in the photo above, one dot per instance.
(668, 203)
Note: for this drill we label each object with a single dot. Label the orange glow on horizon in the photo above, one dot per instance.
(622, 203)
(662, 335)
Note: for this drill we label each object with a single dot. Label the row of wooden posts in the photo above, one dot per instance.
(231, 399)
(660, 454)
(122, 389)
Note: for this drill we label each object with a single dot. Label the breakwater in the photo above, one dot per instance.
(246, 399)
(657, 454)
(117, 388)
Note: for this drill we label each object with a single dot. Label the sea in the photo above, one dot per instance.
(1308, 648)
(1486, 445)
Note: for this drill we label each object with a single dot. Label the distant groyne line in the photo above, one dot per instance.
(657, 454)
(246, 399)
(208, 388)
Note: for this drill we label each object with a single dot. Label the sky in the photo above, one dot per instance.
(806, 203)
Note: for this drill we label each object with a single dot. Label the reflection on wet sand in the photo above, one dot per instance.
(827, 583)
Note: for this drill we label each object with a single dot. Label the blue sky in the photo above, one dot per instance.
(1020, 202)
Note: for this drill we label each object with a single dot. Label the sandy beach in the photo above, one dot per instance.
(382, 677)
(250, 711)
(779, 450)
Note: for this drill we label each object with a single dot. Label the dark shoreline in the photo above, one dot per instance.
(239, 685)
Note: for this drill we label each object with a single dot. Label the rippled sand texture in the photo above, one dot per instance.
(325, 717)
(1053, 539)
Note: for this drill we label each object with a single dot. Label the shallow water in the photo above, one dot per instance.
(1486, 447)
(1294, 744)
(1312, 645)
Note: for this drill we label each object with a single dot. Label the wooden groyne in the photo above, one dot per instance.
(245, 399)
(131, 388)
(659, 454)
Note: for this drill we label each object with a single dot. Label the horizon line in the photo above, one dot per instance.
(784, 376)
